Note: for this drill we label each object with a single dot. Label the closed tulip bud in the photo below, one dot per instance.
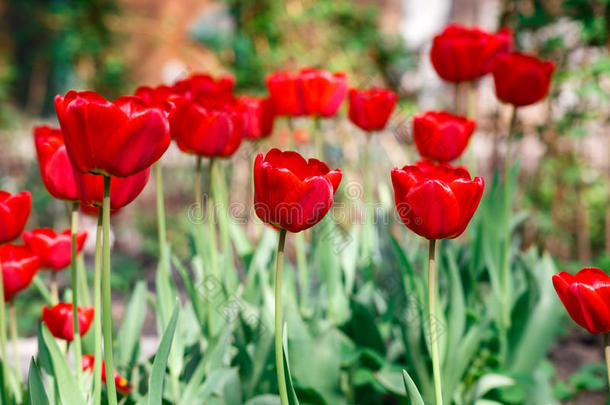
(521, 79)
(322, 91)
(285, 94)
(291, 192)
(586, 297)
(60, 322)
(54, 250)
(259, 116)
(441, 136)
(14, 213)
(370, 109)
(19, 266)
(436, 201)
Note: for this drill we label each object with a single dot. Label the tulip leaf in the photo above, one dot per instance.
(413, 395)
(292, 396)
(67, 386)
(131, 328)
(36, 392)
(157, 375)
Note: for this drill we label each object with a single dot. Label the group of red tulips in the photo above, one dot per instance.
(100, 160)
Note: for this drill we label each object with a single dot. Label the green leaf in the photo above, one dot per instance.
(131, 328)
(264, 400)
(292, 396)
(413, 394)
(69, 390)
(36, 392)
(157, 375)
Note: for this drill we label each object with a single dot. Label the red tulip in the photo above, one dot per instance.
(260, 116)
(54, 250)
(117, 139)
(202, 131)
(586, 296)
(156, 96)
(123, 190)
(55, 165)
(441, 136)
(206, 90)
(19, 266)
(436, 201)
(122, 385)
(322, 91)
(14, 213)
(460, 53)
(59, 319)
(521, 79)
(285, 93)
(290, 192)
(370, 109)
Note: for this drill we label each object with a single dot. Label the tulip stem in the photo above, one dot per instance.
(77, 343)
(5, 369)
(505, 276)
(97, 302)
(107, 294)
(470, 113)
(291, 135)
(607, 355)
(279, 358)
(163, 254)
(436, 370)
(54, 288)
(213, 249)
(13, 326)
(319, 140)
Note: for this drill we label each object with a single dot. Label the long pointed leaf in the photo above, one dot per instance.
(157, 375)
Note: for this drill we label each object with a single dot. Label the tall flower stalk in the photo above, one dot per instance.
(5, 368)
(107, 292)
(279, 357)
(97, 302)
(77, 340)
(436, 367)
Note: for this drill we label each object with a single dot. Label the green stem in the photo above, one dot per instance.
(279, 358)
(318, 139)
(97, 302)
(436, 369)
(199, 205)
(470, 113)
(505, 276)
(162, 234)
(13, 326)
(607, 355)
(290, 145)
(368, 228)
(107, 294)
(77, 342)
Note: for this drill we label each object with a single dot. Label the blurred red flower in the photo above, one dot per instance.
(441, 136)
(259, 116)
(436, 201)
(370, 109)
(59, 319)
(55, 166)
(586, 296)
(122, 385)
(290, 192)
(14, 213)
(206, 90)
(460, 53)
(159, 96)
(54, 250)
(209, 132)
(322, 91)
(285, 93)
(118, 138)
(521, 79)
(19, 266)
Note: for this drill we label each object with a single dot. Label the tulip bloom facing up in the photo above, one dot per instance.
(259, 116)
(292, 194)
(118, 138)
(14, 213)
(370, 109)
(55, 166)
(461, 54)
(436, 202)
(53, 249)
(122, 385)
(586, 297)
(441, 136)
(19, 266)
(59, 320)
(521, 79)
